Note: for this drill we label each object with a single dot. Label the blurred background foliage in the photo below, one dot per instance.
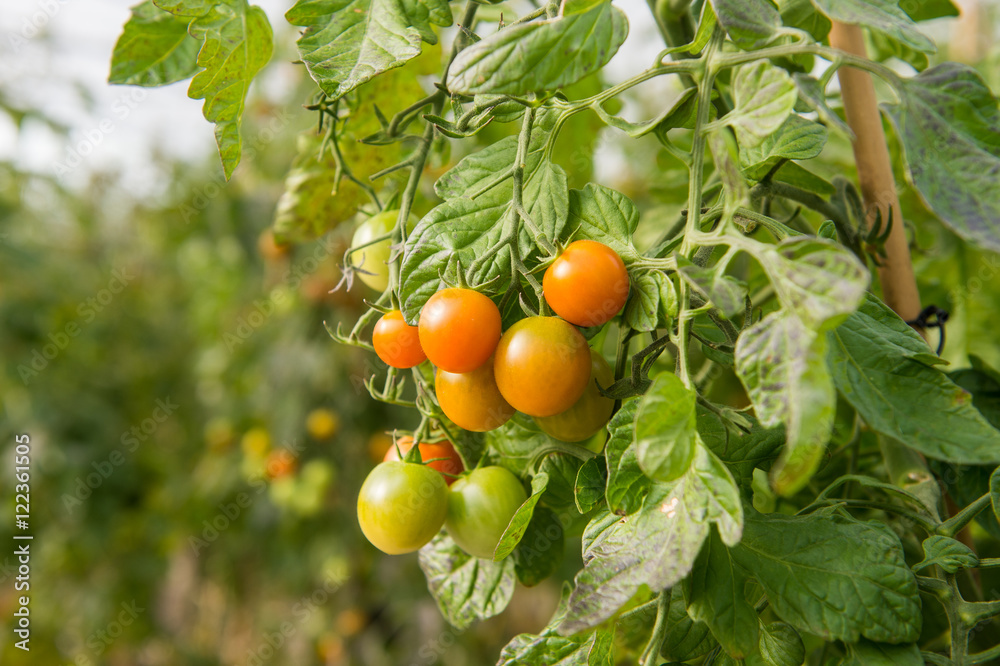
(198, 439)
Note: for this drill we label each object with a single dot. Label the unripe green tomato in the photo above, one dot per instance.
(372, 262)
(402, 506)
(590, 413)
(480, 506)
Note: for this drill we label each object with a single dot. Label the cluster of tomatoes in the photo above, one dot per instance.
(540, 366)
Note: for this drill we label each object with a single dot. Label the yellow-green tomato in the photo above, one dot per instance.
(371, 263)
(590, 413)
(402, 506)
(480, 506)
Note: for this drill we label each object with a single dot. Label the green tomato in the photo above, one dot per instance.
(480, 507)
(402, 506)
(588, 415)
(372, 262)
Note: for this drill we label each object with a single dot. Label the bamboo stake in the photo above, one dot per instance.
(878, 187)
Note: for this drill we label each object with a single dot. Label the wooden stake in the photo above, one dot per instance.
(878, 187)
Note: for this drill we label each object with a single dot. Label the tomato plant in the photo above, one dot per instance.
(780, 432)
(480, 506)
(441, 456)
(402, 506)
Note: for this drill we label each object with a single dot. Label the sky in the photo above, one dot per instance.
(55, 54)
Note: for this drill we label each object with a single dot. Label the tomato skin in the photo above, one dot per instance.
(373, 260)
(590, 413)
(542, 365)
(451, 465)
(402, 506)
(587, 284)
(472, 399)
(459, 329)
(480, 507)
(396, 342)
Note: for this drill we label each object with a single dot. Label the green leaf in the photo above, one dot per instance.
(797, 175)
(819, 280)
(657, 545)
(665, 428)
(884, 16)
(562, 469)
(779, 645)
(236, 44)
(348, 42)
(724, 291)
(878, 365)
(796, 139)
(487, 168)
(627, 485)
(749, 23)
(519, 521)
(541, 55)
(764, 96)
(601, 214)
(685, 639)
(882, 47)
(186, 8)
(781, 363)
(832, 576)
(948, 122)
(154, 49)
(591, 482)
(306, 208)
(557, 651)
(802, 15)
(715, 596)
(867, 653)
(518, 442)
(930, 9)
(451, 237)
(812, 93)
(947, 553)
(465, 588)
(726, 156)
(706, 26)
(653, 302)
(741, 453)
(540, 552)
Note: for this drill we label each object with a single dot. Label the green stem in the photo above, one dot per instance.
(651, 655)
(836, 56)
(692, 223)
(959, 629)
(954, 525)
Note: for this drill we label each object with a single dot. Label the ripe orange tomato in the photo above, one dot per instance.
(587, 284)
(472, 399)
(590, 413)
(280, 463)
(396, 342)
(542, 365)
(459, 329)
(452, 463)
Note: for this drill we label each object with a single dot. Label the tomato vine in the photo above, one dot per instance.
(745, 487)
